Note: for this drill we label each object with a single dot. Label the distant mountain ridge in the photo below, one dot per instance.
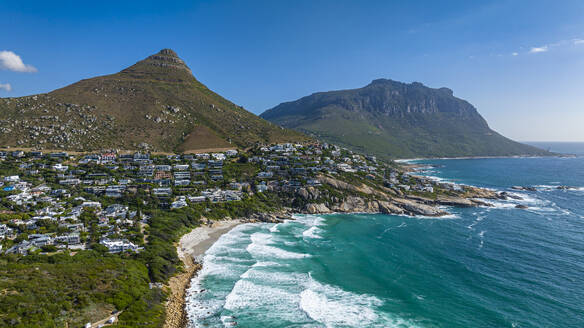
(397, 120)
(155, 104)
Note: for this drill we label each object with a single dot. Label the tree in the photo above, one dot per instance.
(49, 248)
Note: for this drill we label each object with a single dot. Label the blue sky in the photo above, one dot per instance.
(521, 63)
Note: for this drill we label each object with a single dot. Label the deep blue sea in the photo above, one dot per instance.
(483, 267)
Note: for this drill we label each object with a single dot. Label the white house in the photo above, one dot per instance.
(118, 245)
(219, 156)
(231, 153)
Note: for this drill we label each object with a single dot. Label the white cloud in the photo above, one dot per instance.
(550, 46)
(12, 62)
(535, 50)
(5, 86)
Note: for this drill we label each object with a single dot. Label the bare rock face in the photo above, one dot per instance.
(372, 207)
(308, 193)
(352, 204)
(302, 192)
(413, 207)
(338, 184)
(389, 208)
(314, 192)
(266, 217)
(455, 201)
(475, 192)
(317, 208)
(167, 58)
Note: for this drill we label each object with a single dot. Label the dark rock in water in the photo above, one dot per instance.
(521, 206)
(565, 188)
(481, 203)
(505, 195)
(502, 195)
(524, 188)
(514, 197)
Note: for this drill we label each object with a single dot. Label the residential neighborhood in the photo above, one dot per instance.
(57, 201)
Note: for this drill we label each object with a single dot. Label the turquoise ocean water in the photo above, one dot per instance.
(482, 267)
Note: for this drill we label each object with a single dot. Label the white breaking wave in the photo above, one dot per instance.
(424, 217)
(275, 228)
(310, 220)
(263, 301)
(263, 287)
(475, 222)
(312, 232)
(260, 248)
(313, 222)
(544, 187)
(267, 294)
(223, 260)
(351, 310)
(482, 238)
(266, 264)
(334, 307)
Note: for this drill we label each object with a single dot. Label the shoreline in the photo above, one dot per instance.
(191, 246)
(408, 160)
(194, 244)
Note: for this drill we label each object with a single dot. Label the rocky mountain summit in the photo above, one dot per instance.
(397, 120)
(156, 104)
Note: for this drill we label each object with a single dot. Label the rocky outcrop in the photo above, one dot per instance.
(309, 193)
(415, 208)
(365, 199)
(268, 217)
(316, 209)
(338, 184)
(524, 188)
(475, 192)
(389, 208)
(449, 201)
(357, 204)
(353, 204)
(455, 201)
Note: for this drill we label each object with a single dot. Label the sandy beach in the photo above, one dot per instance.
(192, 245)
(196, 242)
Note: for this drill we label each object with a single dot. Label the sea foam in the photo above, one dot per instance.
(312, 232)
(261, 248)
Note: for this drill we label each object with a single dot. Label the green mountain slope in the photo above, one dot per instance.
(397, 120)
(155, 104)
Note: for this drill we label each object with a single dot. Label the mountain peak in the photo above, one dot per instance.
(156, 104)
(167, 58)
(168, 52)
(394, 119)
(164, 65)
(381, 81)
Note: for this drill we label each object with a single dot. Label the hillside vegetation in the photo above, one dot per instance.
(156, 104)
